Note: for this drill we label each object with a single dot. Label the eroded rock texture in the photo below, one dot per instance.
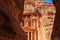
(56, 27)
(11, 12)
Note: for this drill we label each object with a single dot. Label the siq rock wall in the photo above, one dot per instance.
(10, 15)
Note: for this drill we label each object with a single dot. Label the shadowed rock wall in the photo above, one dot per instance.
(56, 27)
(11, 12)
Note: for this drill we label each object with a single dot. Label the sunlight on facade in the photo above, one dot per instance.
(38, 19)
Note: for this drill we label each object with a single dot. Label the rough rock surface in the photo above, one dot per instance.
(56, 27)
(10, 20)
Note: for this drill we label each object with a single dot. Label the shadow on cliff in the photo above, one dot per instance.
(11, 12)
(56, 28)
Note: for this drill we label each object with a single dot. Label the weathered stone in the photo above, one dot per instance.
(10, 20)
(56, 27)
